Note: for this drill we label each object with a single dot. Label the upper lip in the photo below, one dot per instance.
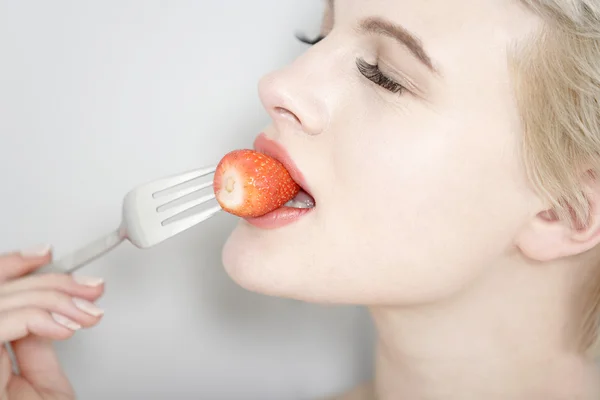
(273, 149)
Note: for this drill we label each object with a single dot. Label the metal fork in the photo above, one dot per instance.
(152, 213)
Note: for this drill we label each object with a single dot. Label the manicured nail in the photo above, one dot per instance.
(87, 307)
(64, 321)
(37, 251)
(88, 280)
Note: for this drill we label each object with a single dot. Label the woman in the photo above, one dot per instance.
(451, 148)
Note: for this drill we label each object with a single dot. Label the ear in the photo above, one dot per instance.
(547, 238)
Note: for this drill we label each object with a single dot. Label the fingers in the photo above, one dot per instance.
(5, 369)
(17, 264)
(39, 365)
(52, 306)
(78, 312)
(88, 288)
(30, 331)
(18, 323)
(37, 309)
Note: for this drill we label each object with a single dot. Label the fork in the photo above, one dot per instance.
(150, 216)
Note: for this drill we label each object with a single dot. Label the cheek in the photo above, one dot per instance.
(422, 201)
(447, 166)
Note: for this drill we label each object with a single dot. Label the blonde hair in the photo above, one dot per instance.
(557, 76)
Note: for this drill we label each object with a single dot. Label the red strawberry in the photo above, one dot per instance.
(251, 184)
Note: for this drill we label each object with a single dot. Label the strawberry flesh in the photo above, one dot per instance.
(249, 184)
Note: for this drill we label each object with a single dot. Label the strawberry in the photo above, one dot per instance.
(249, 184)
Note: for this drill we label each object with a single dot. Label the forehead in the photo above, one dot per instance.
(441, 24)
(449, 11)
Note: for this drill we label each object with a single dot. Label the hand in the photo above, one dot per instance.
(34, 310)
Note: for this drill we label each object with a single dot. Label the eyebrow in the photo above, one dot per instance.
(381, 26)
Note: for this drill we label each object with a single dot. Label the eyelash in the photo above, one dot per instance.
(369, 71)
(374, 74)
(306, 40)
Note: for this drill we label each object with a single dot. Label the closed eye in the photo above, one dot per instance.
(374, 74)
(369, 71)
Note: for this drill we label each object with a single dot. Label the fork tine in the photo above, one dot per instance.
(174, 211)
(174, 180)
(186, 223)
(166, 199)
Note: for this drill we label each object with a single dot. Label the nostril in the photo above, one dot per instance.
(284, 112)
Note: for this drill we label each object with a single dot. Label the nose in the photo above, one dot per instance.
(294, 99)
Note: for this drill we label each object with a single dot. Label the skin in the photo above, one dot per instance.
(27, 306)
(424, 210)
(424, 214)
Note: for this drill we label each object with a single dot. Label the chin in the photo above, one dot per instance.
(274, 262)
(285, 263)
(255, 259)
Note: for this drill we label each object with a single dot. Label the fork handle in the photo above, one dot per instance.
(72, 262)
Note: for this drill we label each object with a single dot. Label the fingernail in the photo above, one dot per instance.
(37, 251)
(88, 307)
(64, 321)
(88, 280)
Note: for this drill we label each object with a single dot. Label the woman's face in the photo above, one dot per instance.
(415, 165)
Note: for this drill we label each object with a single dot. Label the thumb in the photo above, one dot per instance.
(39, 365)
(6, 370)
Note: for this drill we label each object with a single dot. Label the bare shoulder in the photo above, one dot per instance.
(362, 392)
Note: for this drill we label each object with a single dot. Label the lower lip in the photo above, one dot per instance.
(279, 218)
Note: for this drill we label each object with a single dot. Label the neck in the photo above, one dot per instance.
(503, 338)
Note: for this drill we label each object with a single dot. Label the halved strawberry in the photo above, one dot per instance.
(251, 184)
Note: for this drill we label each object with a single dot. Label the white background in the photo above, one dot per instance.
(99, 96)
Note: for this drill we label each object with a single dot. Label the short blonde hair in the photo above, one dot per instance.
(557, 76)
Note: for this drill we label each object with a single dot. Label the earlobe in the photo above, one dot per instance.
(544, 239)
(547, 238)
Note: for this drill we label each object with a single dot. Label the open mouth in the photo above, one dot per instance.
(304, 199)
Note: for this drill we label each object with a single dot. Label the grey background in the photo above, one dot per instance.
(98, 96)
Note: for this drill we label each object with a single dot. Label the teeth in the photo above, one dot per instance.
(298, 204)
(302, 200)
